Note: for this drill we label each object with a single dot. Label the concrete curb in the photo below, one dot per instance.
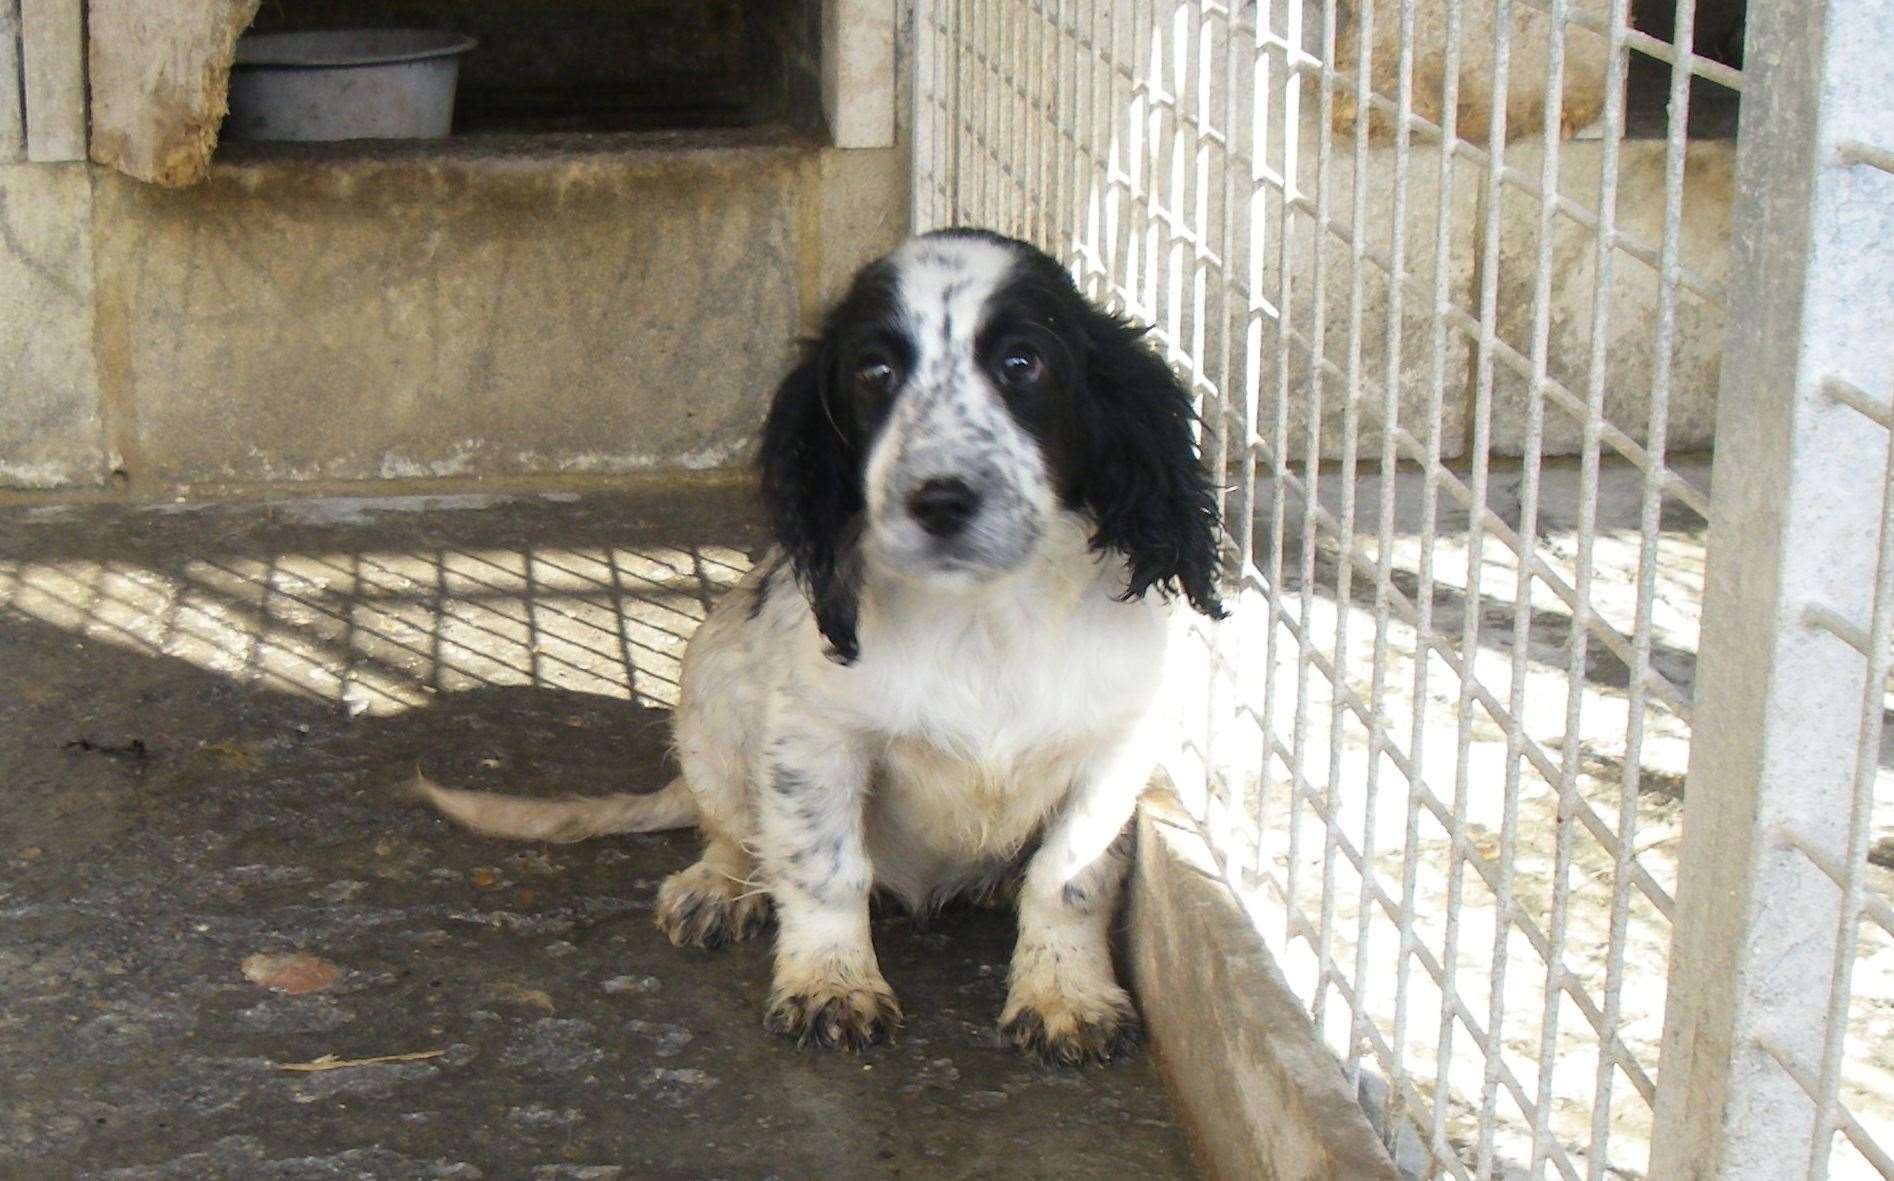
(1262, 1097)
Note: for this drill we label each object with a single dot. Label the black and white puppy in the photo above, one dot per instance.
(982, 489)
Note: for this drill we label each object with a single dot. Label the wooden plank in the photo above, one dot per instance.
(160, 83)
(52, 52)
(12, 112)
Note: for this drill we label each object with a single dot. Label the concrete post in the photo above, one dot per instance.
(858, 72)
(52, 53)
(12, 86)
(1754, 991)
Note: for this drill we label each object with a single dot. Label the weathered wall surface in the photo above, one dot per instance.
(462, 312)
(51, 425)
(1631, 354)
(1582, 71)
(1633, 359)
(552, 308)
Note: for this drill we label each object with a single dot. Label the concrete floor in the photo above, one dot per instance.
(205, 718)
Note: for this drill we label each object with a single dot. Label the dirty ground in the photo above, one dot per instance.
(207, 873)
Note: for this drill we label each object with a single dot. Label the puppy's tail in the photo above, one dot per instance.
(572, 819)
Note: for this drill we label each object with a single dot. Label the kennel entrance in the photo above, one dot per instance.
(144, 91)
(1545, 771)
(588, 66)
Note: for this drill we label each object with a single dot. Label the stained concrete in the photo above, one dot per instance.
(493, 306)
(1631, 354)
(1582, 64)
(51, 432)
(1261, 1090)
(1632, 358)
(577, 306)
(207, 712)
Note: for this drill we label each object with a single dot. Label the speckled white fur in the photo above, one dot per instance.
(987, 719)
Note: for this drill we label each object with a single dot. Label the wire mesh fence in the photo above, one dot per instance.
(1450, 281)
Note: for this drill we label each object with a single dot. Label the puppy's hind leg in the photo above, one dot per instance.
(716, 901)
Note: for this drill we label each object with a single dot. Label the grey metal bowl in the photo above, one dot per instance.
(345, 84)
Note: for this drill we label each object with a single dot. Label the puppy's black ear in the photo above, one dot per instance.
(1142, 479)
(812, 493)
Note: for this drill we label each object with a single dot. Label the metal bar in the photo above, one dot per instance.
(1668, 53)
(1215, 301)
(1409, 942)
(1873, 905)
(1614, 1049)
(1351, 440)
(1484, 866)
(1438, 1144)
(1656, 683)
(1586, 217)
(1312, 461)
(1872, 408)
(1489, 262)
(1520, 364)
(1650, 514)
(1594, 825)
(1380, 672)
(1287, 118)
(1542, 760)
(1857, 1135)
(1576, 648)
(1855, 151)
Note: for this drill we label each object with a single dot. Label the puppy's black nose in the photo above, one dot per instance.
(944, 506)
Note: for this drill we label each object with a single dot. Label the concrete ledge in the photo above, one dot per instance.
(393, 315)
(1263, 1099)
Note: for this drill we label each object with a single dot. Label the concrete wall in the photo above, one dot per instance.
(559, 307)
(469, 309)
(609, 305)
(487, 306)
(1631, 353)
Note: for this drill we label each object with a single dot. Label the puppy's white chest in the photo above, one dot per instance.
(986, 732)
(998, 689)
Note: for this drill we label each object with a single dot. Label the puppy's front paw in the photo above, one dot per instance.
(834, 1013)
(1065, 1030)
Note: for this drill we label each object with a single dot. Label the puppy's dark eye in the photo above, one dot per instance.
(1021, 366)
(875, 376)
